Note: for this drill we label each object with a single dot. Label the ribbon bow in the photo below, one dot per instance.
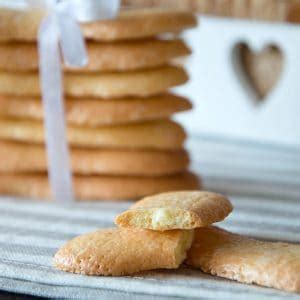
(60, 37)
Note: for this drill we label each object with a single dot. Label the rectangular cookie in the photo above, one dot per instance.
(95, 112)
(246, 260)
(22, 158)
(104, 57)
(140, 83)
(131, 24)
(162, 134)
(100, 187)
(120, 251)
(176, 210)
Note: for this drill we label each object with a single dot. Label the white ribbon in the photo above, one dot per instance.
(60, 33)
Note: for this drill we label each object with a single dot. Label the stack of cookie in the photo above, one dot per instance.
(162, 231)
(118, 108)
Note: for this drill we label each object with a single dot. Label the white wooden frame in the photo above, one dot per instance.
(222, 106)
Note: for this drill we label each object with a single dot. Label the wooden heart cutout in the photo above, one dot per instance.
(259, 71)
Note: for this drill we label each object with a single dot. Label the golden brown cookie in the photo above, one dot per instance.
(97, 112)
(111, 188)
(104, 57)
(21, 158)
(176, 210)
(119, 251)
(236, 257)
(163, 134)
(107, 85)
(131, 24)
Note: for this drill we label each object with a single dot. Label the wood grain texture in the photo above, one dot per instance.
(265, 10)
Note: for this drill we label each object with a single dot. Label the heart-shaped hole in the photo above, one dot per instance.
(258, 71)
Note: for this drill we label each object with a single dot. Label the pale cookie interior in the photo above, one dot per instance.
(122, 251)
(183, 246)
(177, 210)
(158, 218)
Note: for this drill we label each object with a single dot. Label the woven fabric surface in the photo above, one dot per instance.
(263, 182)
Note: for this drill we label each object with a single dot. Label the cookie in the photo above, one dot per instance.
(111, 188)
(119, 251)
(107, 85)
(131, 24)
(164, 134)
(104, 57)
(96, 112)
(176, 210)
(240, 258)
(21, 158)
